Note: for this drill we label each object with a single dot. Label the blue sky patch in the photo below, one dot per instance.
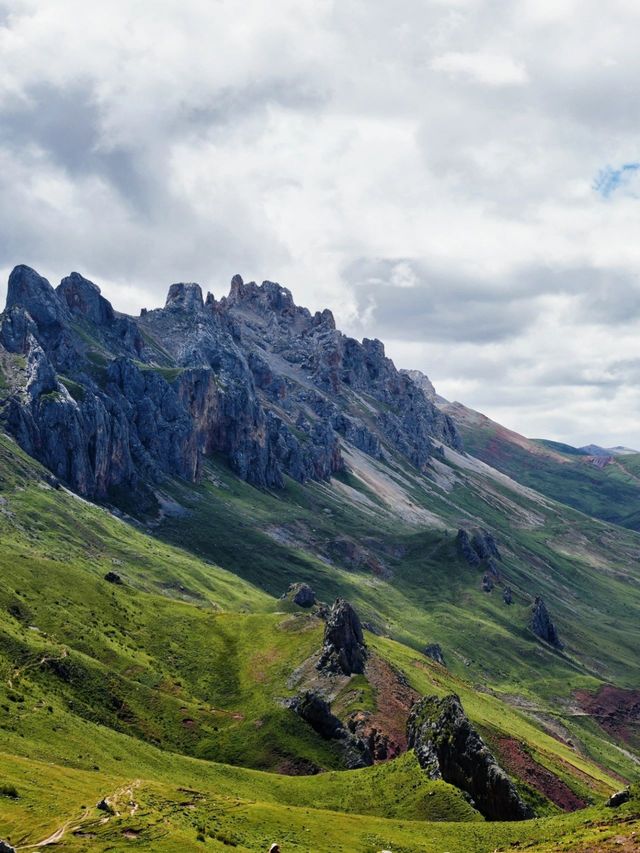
(610, 180)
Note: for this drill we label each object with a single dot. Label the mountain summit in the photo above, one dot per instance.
(108, 401)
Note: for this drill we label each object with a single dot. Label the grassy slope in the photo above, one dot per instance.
(107, 677)
(608, 493)
(585, 570)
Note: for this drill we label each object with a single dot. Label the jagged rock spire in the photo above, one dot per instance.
(542, 625)
(344, 649)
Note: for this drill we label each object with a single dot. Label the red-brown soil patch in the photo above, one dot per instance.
(516, 760)
(386, 727)
(615, 709)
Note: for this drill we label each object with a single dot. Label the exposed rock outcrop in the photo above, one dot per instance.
(83, 298)
(541, 623)
(112, 404)
(5, 847)
(343, 648)
(448, 747)
(619, 798)
(316, 711)
(301, 594)
(477, 548)
(434, 651)
(466, 549)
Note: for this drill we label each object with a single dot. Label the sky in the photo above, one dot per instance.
(460, 178)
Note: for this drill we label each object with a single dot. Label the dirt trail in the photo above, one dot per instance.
(35, 665)
(57, 836)
(125, 792)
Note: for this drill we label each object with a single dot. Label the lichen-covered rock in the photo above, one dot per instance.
(448, 747)
(541, 623)
(343, 649)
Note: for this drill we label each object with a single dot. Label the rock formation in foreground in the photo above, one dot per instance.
(448, 748)
(343, 649)
(316, 711)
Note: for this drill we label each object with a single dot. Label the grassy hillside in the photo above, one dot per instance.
(608, 491)
(164, 692)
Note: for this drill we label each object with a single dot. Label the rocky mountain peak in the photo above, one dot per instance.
(83, 297)
(423, 382)
(185, 297)
(276, 390)
(266, 298)
(31, 291)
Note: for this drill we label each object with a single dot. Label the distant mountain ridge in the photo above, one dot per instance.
(603, 482)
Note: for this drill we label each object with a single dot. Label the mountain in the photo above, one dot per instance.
(109, 402)
(168, 485)
(604, 483)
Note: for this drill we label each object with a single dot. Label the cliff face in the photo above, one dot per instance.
(108, 401)
(448, 747)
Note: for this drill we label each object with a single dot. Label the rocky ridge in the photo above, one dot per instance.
(111, 404)
(448, 747)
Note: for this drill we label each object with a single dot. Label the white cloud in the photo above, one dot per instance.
(446, 149)
(489, 68)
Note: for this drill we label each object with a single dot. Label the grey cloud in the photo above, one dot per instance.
(446, 306)
(321, 146)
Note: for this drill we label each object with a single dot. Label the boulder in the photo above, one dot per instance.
(105, 806)
(542, 625)
(343, 649)
(301, 594)
(619, 798)
(448, 748)
(6, 848)
(113, 577)
(434, 651)
(488, 582)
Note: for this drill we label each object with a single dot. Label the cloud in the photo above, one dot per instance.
(426, 173)
(488, 68)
